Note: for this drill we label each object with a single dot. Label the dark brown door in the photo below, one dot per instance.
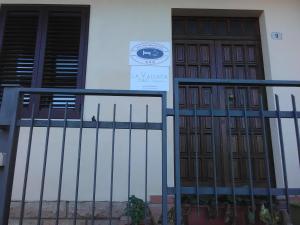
(223, 48)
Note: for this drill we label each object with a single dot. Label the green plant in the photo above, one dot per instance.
(250, 215)
(229, 215)
(172, 215)
(136, 210)
(269, 218)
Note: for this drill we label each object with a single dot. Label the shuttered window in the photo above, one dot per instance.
(18, 49)
(44, 46)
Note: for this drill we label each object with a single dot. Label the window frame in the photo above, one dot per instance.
(40, 53)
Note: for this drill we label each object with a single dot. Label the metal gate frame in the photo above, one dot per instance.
(228, 113)
(10, 124)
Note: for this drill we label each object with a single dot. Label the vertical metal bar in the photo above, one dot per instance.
(164, 161)
(112, 164)
(146, 164)
(188, 146)
(177, 154)
(296, 125)
(283, 160)
(196, 148)
(248, 153)
(129, 158)
(61, 165)
(44, 165)
(266, 151)
(9, 111)
(231, 158)
(27, 166)
(95, 165)
(78, 167)
(214, 153)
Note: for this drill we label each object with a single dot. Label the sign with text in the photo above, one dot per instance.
(150, 78)
(149, 53)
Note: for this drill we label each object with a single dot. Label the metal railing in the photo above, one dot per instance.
(228, 112)
(225, 112)
(122, 119)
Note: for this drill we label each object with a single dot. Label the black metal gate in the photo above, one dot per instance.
(129, 118)
(121, 118)
(265, 113)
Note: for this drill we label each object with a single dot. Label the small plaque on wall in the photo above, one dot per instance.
(276, 36)
(149, 78)
(143, 53)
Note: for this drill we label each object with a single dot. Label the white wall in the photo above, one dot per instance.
(114, 23)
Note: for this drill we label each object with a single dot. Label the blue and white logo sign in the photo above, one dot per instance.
(149, 53)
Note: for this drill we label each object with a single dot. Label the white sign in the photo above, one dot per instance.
(150, 78)
(149, 53)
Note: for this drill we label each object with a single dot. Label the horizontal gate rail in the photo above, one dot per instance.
(91, 124)
(237, 113)
(233, 82)
(240, 191)
(87, 92)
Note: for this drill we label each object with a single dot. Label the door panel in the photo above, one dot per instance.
(195, 59)
(242, 60)
(239, 60)
(222, 59)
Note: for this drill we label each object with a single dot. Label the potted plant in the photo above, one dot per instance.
(138, 211)
(172, 216)
(206, 212)
(268, 218)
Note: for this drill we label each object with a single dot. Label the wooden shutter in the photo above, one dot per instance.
(44, 46)
(62, 57)
(17, 55)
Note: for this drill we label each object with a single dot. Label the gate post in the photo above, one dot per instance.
(9, 133)
(164, 161)
(177, 154)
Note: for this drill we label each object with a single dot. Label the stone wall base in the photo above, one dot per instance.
(84, 212)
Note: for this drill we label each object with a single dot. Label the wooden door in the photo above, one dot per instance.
(230, 49)
(195, 59)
